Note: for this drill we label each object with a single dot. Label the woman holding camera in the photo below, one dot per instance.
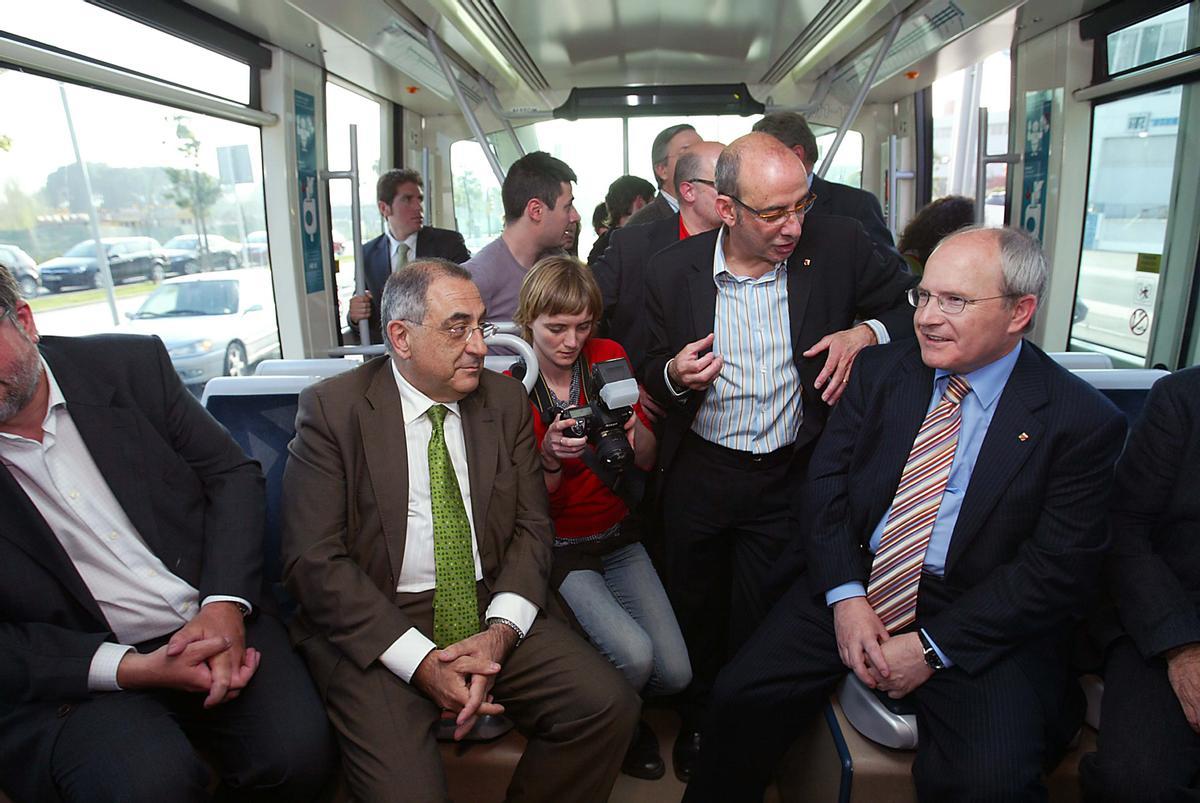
(602, 569)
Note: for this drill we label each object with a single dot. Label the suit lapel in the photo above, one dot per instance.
(1004, 451)
(482, 437)
(799, 288)
(24, 526)
(381, 424)
(424, 244)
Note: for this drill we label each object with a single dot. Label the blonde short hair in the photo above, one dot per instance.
(557, 285)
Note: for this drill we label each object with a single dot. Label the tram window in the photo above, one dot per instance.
(847, 162)
(1133, 160)
(344, 107)
(956, 101)
(1148, 41)
(156, 173)
(478, 210)
(102, 35)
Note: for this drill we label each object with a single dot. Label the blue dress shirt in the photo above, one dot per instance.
(987, 383)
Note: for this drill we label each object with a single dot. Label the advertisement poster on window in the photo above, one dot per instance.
(306, 169)
(1037, 159)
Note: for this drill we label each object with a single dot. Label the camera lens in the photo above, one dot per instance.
(613, 449)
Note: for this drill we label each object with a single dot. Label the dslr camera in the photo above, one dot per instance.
(602, 421)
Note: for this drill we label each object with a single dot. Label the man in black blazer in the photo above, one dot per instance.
(130, 551)
(955, 509)
(792, 130)
(401, 200)
(752, 335)
(1148, 747)
(620, 271)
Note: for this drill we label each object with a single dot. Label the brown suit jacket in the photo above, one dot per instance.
(345, 509)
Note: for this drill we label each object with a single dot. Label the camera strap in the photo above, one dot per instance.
(623, 483)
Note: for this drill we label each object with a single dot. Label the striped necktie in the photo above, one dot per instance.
(896, 570)
(455, 607)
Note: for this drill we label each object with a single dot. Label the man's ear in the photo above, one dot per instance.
(384, 209)
(799, 151)
(398, 334)
(535, 210)
(687, 191)
(726, 210)
(1022, 313)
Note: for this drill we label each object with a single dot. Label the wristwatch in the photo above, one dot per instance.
(931, 656)
(500, 620)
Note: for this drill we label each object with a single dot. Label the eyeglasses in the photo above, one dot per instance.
(710, 183)
(779, 216)
(460, 331)
(949, 304)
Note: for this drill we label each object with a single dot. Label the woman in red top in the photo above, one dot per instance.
(602, 569)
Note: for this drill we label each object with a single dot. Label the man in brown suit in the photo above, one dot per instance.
(365, 549)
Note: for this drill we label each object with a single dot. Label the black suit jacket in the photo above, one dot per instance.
(1030, 536)
(1154, 566)
(194, 497)
(658, 209)
(431, 242)
(620, 272)
(863, 206)
(834, 278)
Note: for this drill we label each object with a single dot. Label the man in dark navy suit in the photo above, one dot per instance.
(1149, 748)
(792, 130)
(130, 576)
(401, 198)
(955, 510)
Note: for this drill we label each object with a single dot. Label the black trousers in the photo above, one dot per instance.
(1146, 749)
(983, 738)
(726, 518)
(271, 743)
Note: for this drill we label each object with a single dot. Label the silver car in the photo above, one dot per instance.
(213, 324)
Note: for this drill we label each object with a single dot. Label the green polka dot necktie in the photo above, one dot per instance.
(455, 608)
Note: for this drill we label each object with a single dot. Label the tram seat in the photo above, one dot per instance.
(891, 723)
(1125, 387)
(1075, 360)
(832, 759)
(309, 367)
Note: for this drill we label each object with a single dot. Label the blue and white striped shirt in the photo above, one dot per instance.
(754, 405)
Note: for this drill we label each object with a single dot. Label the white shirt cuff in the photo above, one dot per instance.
(671, 385)
(407, 653)
(881, 332)
(102, 674)
(513, 607)
(223, 598)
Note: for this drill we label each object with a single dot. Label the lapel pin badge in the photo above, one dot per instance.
(807, 262)
(1022, 437)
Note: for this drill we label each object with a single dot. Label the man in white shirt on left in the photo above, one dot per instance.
(130, 570)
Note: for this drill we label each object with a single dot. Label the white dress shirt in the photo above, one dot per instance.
(417, 572)
(394, 247)
(140, 598)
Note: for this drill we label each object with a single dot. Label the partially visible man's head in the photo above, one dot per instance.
(432, 312)
(538, 187)
(761, 186)
(401, 201)
(625, 196)
(792, 130)
(995, 279)
(665, 150)
(695, 181)
(20, 364)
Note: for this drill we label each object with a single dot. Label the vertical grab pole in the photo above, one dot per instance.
(360, 267)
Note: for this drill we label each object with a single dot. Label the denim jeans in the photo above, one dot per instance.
(626, 614)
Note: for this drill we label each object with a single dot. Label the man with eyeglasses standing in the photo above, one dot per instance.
(956, 525)
(417, 540)
(752, 337)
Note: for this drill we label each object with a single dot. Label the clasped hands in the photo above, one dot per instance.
(208, 656)
(893, 664)
(460, 677)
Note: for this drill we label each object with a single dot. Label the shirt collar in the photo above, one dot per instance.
(413, 402)
(720, 267)
(987, 382)
(670, 199)
(410, 241)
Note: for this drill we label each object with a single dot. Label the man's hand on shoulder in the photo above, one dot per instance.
(1183, 670)
(907, 668)
(860, 635)
(230, 669)
(696, 366)
(843, 347)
